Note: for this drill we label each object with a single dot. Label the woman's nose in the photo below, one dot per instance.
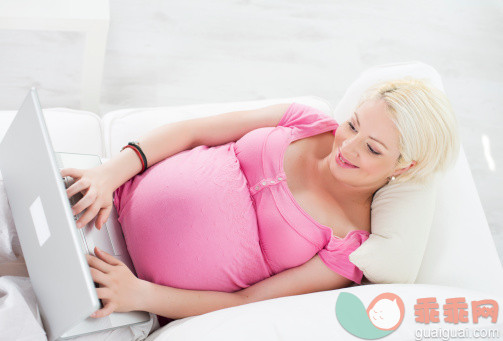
(349, 147)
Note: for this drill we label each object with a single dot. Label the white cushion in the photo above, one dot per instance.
(313, 316)
(401, 219)
(71, 131)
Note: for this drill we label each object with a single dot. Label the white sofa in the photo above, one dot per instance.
(460, 259)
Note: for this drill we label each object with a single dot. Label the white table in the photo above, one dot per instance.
(89, 16)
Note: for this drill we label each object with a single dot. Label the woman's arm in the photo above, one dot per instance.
(121, 291)
(99, 183)
(172, 138)
(176, 303)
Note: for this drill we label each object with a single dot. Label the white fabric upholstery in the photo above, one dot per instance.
(460, 250)
(312, 316)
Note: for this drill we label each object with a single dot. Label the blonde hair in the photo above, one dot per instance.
(426, 123)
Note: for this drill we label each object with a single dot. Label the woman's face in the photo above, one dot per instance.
(369, 141)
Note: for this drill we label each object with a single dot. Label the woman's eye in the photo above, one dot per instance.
(370, 148)
(373, 151)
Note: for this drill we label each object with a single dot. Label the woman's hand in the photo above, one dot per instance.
(96, 187)
(120, 290)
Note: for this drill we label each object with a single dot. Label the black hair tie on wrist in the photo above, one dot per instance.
(136, 145)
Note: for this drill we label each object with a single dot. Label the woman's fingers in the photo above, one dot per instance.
(76, 187)
(87, 200)
(107, 257)
(98, 276)
(99, 264)
(97, 196)
(103, 293)
(73, 172)
(88, 215)
(105, 311)
(103, 216)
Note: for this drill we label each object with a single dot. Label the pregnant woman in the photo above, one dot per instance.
(252, 205)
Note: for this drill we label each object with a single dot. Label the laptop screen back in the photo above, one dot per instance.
(44, 221)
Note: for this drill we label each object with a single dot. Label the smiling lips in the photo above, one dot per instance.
(343, 162)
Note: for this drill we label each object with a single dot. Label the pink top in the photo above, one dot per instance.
(223, 218)
(288, 235)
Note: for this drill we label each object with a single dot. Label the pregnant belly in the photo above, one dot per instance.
(189, 222)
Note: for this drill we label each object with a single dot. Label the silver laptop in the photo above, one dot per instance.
(53, 247)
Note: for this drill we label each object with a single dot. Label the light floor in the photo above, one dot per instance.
(163, 53)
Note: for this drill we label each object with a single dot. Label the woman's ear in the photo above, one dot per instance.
(401, 170)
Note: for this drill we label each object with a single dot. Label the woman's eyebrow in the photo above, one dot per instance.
(373, 138)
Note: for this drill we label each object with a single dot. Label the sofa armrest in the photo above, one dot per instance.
(71, 131)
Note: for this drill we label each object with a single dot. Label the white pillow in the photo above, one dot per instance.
(402, 214)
